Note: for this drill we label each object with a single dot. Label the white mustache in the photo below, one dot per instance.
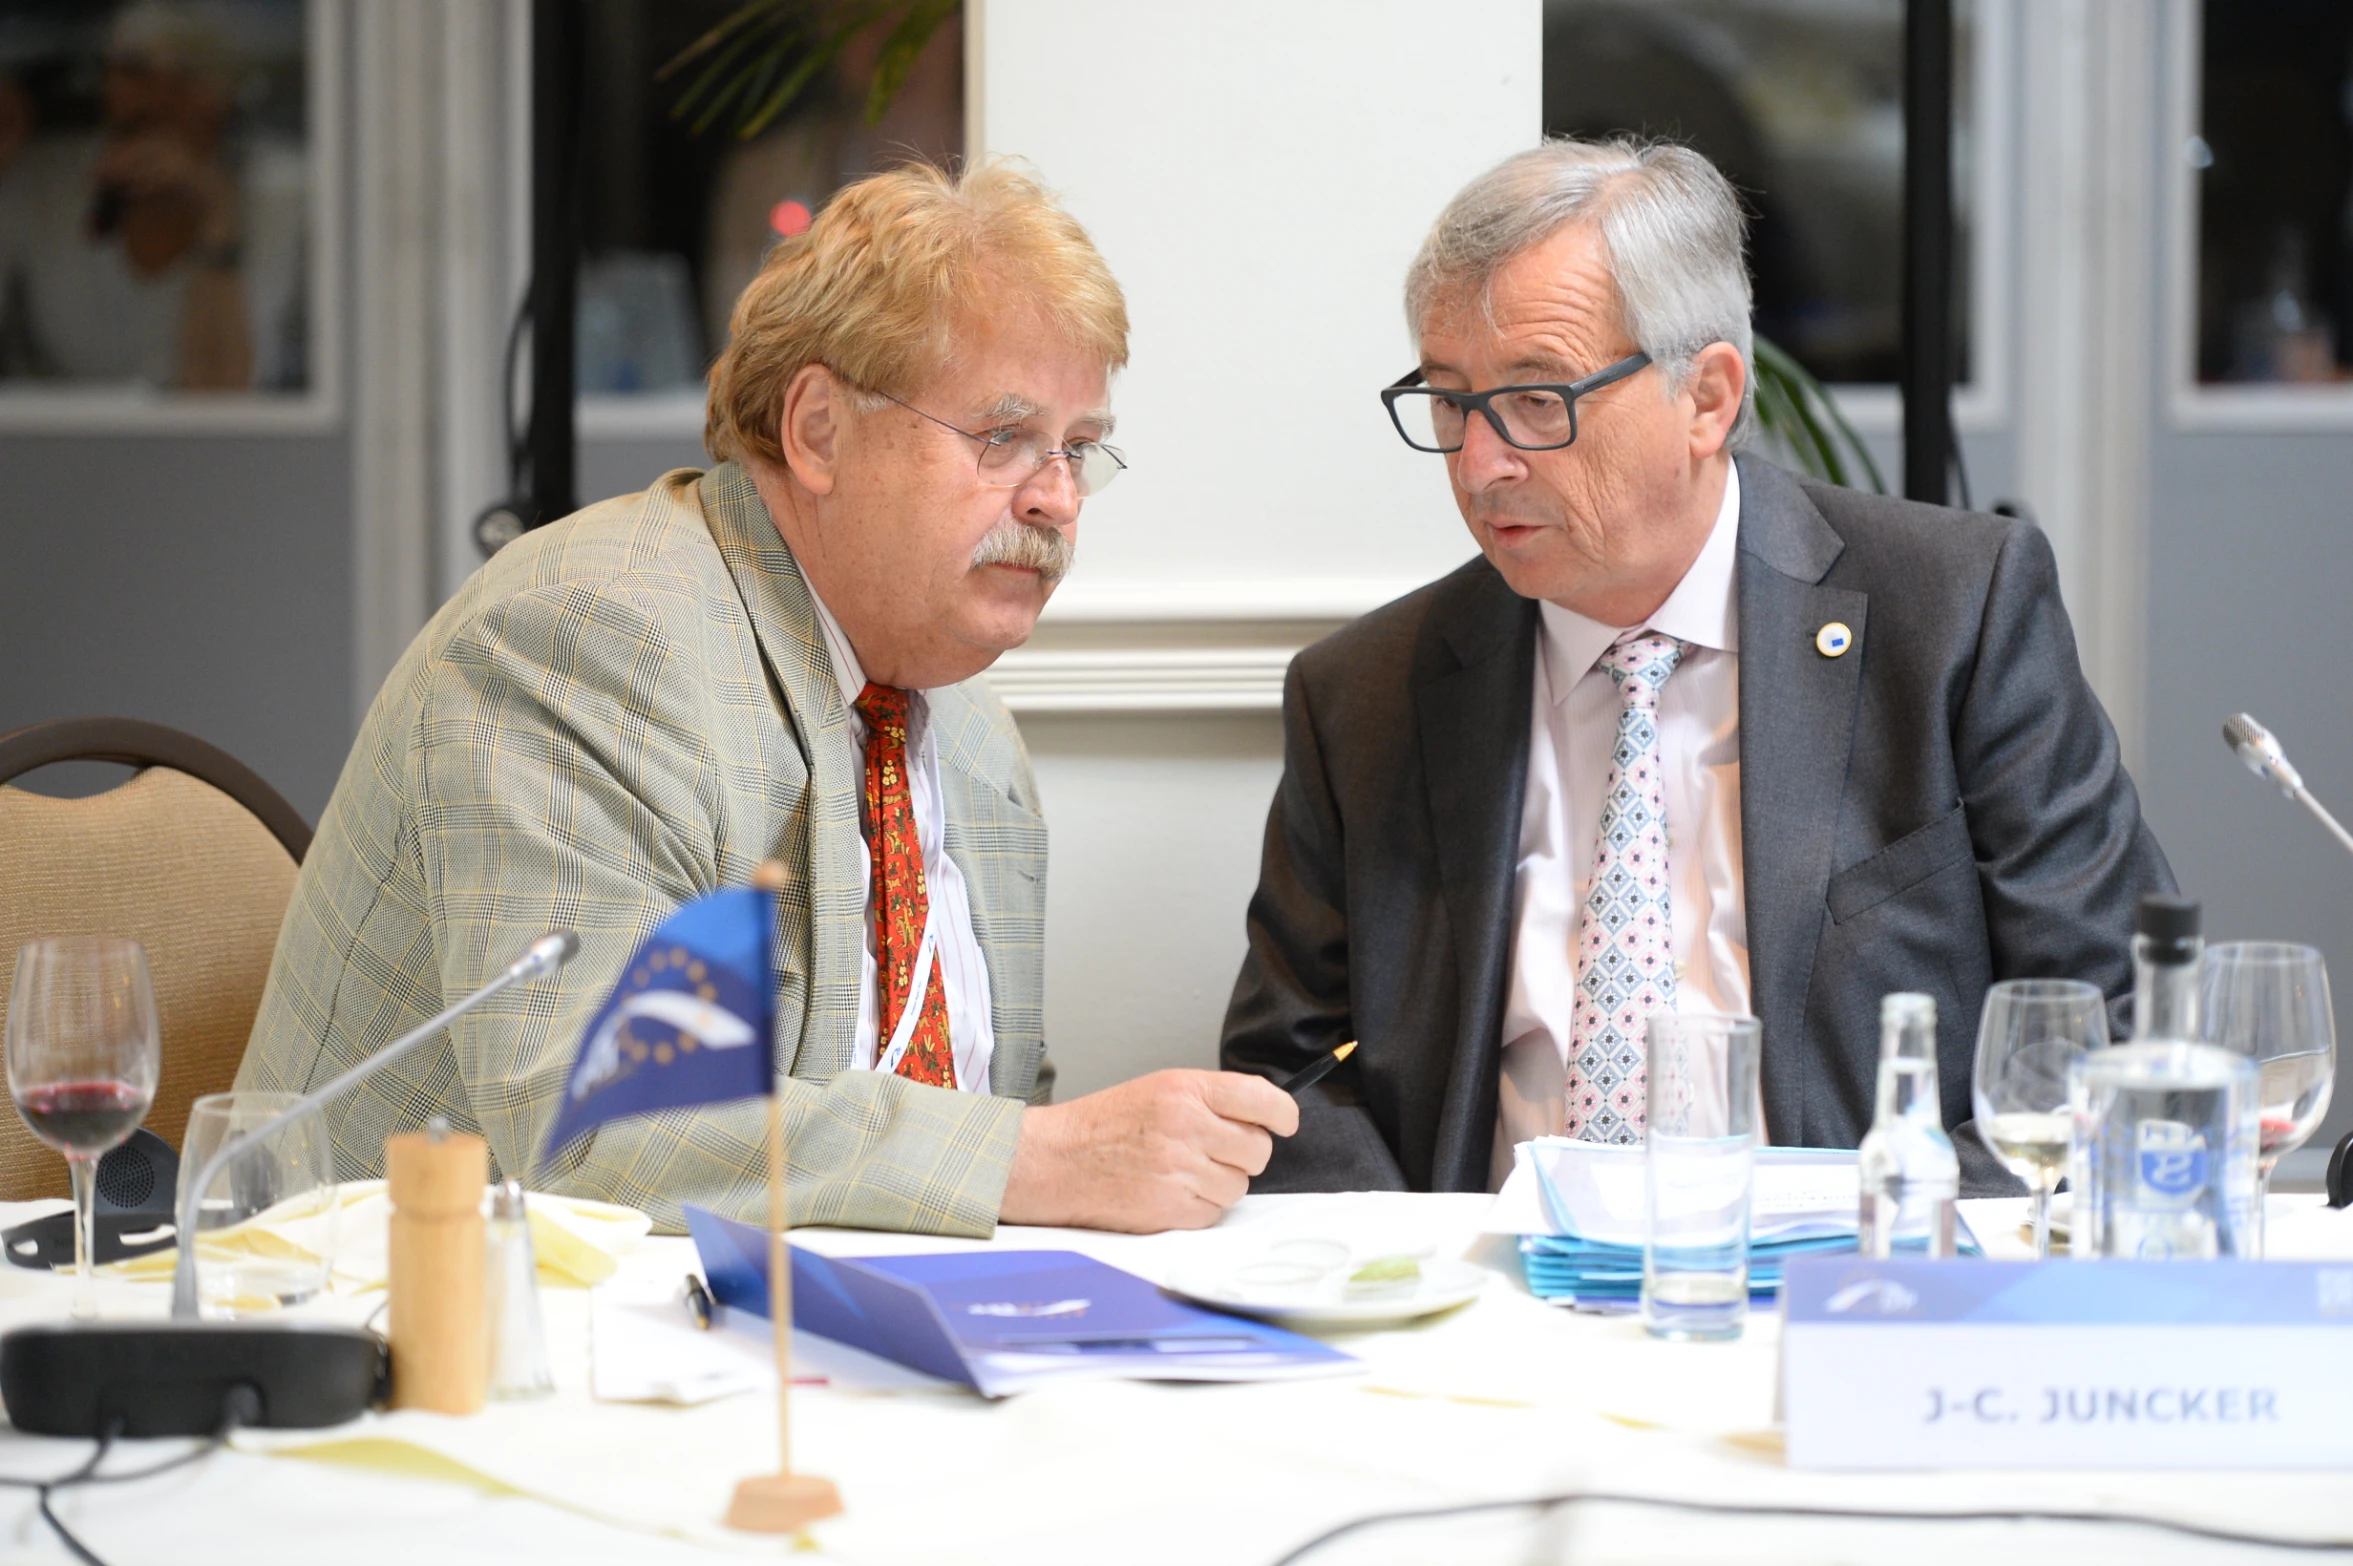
(1040, 549)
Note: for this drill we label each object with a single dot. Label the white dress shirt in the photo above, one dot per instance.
(963, 974)
(1573, 730)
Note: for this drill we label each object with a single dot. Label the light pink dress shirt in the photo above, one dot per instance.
(1573, 729)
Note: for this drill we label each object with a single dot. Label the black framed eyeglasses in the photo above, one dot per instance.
(1010, 458)
(1533, 418)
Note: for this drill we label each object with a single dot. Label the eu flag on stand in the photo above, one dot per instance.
(691, 1022)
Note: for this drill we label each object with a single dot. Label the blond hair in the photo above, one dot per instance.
(877, 287)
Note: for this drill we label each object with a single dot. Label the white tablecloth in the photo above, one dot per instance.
(1505, 1397)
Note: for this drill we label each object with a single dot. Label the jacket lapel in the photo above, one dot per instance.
(1797, 720)
(784, 620)
(1472, 708)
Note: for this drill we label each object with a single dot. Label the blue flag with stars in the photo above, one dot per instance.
(691, 1022)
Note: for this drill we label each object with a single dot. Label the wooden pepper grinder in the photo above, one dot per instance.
(440, 1355)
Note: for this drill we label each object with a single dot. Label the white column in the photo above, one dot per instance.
(2087, 236)
(397, 75)
(484, 184)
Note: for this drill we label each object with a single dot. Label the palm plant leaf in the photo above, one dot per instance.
(1798, 411)
(764, 56)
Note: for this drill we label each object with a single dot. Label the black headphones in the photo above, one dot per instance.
(138, 1184)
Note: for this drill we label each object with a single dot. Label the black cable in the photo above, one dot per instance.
(238, 1412)
(1541, 1504)
(518, 441)
(1952, 432)
(43, 1488)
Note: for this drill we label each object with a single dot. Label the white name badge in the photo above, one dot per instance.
(2067, 1364)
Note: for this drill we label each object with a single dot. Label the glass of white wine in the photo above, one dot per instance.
(2269, 1001)
(2030, 1032)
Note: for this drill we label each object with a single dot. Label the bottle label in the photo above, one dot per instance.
(2171, 1164)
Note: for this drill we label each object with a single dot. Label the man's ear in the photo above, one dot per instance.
(1718, 380)
(810, 428)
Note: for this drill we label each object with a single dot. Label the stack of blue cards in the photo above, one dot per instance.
(1591, 1256)
(1593, 1275)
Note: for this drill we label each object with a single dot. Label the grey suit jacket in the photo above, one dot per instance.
(1939, 808)
(623, 711)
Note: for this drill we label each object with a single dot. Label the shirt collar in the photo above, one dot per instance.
(848, 673)
(1700, 610)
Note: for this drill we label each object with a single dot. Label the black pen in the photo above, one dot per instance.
(1319, 1069)
(698, 1302)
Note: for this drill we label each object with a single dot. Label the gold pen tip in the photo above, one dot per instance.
(1345, 1050)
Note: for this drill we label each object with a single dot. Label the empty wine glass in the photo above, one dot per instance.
(2030, 1032)
(82, 1061)
(2269, 1001)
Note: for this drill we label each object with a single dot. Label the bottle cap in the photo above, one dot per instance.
(506, 1201)
(1904, 1007)
(2170, 925)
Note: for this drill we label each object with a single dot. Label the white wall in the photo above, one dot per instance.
(1258, 177)
(1154, 821)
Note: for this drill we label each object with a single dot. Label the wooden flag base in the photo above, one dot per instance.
(782, 1503)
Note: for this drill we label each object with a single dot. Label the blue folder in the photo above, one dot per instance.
(1002, 1321)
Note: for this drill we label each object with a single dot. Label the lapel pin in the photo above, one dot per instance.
(1833, 639)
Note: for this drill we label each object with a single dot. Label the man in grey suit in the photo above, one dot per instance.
(1691, 734)
(776, 660)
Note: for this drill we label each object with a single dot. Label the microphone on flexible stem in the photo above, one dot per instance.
(2252, 743)
(178, 1378)
(545, 956)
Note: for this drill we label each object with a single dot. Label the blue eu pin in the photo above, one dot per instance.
(1833, 639)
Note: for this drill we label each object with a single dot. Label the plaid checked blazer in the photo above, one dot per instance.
(618, 713)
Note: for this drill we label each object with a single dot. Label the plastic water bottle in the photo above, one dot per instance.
(1911, 1178)
(2166, 1127)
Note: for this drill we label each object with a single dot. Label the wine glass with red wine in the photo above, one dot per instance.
(2269, 1001)
(82, 1061)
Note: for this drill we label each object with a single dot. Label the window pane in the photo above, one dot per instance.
(1800, 103)
(2275, 191)
(676, 220)
(154, 195)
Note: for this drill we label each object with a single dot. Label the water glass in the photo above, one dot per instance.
(2030, 1032)
(83, 1056)
(1701, 1139)
(265, 1226)
(2269, 1001)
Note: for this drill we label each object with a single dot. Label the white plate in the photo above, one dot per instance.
(1328, 1301)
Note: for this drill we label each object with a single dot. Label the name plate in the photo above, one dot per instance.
(2067, 1364)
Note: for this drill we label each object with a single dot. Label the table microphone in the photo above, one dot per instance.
(2253, 744)
(182, 1377)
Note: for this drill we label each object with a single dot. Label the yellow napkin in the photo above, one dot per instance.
(578, 1242)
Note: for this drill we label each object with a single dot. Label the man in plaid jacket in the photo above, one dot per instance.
(776, 659)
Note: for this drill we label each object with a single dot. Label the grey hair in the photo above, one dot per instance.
(1672, 233)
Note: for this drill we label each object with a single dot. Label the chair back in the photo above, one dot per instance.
(187, 859)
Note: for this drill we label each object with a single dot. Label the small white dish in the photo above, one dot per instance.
(1327, 1300)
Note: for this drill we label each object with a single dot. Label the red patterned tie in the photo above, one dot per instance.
(900, 904)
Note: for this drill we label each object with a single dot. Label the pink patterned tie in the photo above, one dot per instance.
(1625, 936)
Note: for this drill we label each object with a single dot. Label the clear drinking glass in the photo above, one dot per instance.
(265, 1228)
(1701, 1136)
(2269, 1001)
(83, 1057)
(2029, 1033)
